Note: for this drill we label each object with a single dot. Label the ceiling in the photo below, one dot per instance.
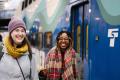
(8, 4)
(2, 4)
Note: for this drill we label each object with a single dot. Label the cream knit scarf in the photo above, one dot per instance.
(13, 51)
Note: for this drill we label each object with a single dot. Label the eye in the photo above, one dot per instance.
(66, 39)
(61, 38)
(17, 30)
(22, 30)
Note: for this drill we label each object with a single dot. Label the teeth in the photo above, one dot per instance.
(63, 44)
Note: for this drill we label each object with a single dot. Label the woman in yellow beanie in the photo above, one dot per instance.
(17, 62)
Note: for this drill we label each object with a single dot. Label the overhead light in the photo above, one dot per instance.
(6, 5)
(97, 18)
(89, 10)
(51, 6)
(3, 0)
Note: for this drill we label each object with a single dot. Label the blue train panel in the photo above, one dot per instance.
(104, 40)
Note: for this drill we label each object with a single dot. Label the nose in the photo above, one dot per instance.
(20, 33)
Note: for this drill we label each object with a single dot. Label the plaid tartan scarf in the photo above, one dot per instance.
(54, 65)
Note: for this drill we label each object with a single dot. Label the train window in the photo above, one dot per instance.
(48, 39)
(26, 3)
(23, 3)
(40, 40)
(30, 1)
(0, 38)
(33, 39)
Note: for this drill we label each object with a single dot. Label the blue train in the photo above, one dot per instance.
(104, 40)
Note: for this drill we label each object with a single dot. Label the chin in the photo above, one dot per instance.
(63, 49)
(19, 42)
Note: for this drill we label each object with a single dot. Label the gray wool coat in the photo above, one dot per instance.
(9, 69)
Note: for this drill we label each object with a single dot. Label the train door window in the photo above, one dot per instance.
(86, 55)
(30, 1)
(78, 38)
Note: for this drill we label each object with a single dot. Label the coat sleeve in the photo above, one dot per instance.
(34, 73)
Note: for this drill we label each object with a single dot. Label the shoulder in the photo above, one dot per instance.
(53, 48)
(73, 51)
(51, 51)
(3, 47)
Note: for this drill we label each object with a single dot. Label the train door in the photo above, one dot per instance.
(104, 40)
(76, 28)
(79, 29)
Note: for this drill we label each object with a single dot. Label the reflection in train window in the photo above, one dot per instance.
(40, 40)
(48, 39)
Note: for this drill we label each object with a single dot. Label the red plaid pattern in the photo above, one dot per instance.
(54, 65)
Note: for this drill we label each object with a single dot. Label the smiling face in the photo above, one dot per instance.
(18, 35)
(63, 41)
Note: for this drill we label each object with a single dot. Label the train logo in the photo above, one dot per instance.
(112, 34)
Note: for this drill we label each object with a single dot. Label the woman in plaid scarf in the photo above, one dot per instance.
(61, 59)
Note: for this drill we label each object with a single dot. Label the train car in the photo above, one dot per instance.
(95, 26)
(79, 27)
(104, 40)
